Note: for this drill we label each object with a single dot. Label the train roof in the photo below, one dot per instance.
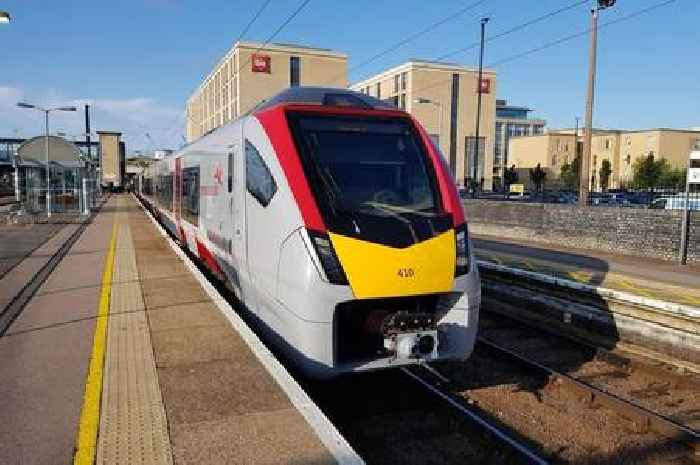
(308, 95)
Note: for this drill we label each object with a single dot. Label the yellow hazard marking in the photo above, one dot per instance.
(629, 286)
(90, 412)
(376, 270)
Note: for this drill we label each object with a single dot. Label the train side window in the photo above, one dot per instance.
(259, 181)
(190, 194)
(230, 172)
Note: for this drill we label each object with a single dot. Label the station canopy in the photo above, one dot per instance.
(62, 152)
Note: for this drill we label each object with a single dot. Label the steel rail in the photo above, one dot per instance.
(531, 456)
(642, 418)
(15, 307)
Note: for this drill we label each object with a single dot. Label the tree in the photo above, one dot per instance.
(570, 173)
(510, 176)
(537, 176)
(647, 172)
(673, 178)
(605, 172)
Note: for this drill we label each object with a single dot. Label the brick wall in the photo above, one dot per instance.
(632, 231)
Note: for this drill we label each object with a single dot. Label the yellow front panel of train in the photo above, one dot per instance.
(376, 270)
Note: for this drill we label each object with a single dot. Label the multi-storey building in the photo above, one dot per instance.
(511, 121)
(250, 73)
(443, 97)
(621, 148)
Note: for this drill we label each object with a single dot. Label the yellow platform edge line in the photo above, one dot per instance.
(90, 413)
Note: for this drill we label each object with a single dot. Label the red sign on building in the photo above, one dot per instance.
(485, 86)
(260, 63)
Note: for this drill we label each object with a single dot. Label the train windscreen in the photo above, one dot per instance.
(370, 174)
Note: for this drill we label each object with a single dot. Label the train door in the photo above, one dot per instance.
(237, 212)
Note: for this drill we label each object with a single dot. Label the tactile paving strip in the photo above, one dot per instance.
(133, 426)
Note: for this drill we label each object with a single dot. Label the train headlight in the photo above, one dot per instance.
(329, 260)
(462, 248)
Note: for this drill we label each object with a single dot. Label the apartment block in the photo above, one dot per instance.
(252, 72)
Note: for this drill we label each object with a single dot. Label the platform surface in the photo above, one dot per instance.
(178, 383)
(652, 278)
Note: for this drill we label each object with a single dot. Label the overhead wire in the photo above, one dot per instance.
(513, 29)
(558, 41)
(411, 38)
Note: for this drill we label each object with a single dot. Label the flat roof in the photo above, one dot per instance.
(272, 46)
(416, 63)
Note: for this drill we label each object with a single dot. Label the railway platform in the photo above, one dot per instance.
(646, 277)
(124, 354)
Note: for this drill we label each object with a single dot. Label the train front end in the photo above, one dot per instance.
(385, 231)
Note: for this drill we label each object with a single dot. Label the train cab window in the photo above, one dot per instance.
(259, 181)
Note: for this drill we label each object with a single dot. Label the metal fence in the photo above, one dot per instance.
(72, 191)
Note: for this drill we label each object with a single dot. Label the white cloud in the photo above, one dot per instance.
(134, 117)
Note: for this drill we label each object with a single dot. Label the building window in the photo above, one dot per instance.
(294, 71)
(403, 81)
(470, 146)
(607, 144)
(628, 159)
(396, 83)
(554, 159)
(259, 181)
(379, 90)
(402, 103)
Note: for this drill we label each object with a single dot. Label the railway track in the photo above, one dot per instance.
(664, 331)
(581, 404)
(15, 307)
(407, 416)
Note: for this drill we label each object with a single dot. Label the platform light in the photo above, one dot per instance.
(5, 17)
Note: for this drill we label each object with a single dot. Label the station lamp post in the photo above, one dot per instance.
(48, 167)
(584, 180)
(438, 105)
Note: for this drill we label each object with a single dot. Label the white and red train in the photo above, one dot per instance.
(335, 220)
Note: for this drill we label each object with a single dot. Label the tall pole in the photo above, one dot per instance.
(584, 180)
(478, 106)
(48, 168)
(439, 107)
(87, 131)
(684, 223)
(576, 143)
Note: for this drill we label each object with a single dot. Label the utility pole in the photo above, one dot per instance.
(478, 107)
(584, 181)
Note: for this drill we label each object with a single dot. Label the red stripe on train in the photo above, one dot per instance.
(448, 191)
(275, 123)
(208, 258)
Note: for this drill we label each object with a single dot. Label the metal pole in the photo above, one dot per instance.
(584, 182)
(686, 217)
(86, 207)
(48, 169)
(18, 194)
(478, 106)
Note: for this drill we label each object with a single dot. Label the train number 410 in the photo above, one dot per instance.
(406, 273)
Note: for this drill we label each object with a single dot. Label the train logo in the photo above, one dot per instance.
(219, 174)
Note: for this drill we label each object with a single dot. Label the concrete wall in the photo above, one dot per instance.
(630, 231)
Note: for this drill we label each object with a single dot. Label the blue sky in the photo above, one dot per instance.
(137, 61)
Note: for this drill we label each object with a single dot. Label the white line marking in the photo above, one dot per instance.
(322, 426)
